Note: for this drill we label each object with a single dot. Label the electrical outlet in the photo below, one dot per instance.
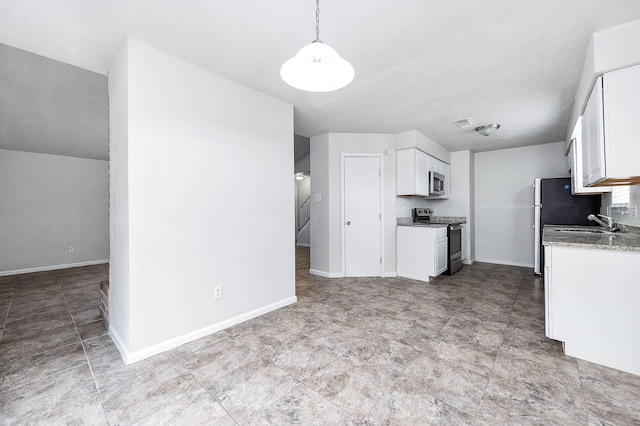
(70, 249)
(217, 293)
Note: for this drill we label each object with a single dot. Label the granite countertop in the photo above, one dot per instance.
(570, 236)
(442, 221)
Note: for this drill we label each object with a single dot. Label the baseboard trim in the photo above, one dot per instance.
(303, 245)
(326, 274)
(135, 356)
(390, 275)
(503, 262)
(53, 267)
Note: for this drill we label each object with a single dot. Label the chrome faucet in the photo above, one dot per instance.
(609, 224)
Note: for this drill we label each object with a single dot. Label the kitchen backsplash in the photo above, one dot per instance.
(626, 218)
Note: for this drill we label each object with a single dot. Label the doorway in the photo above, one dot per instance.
(362, 215)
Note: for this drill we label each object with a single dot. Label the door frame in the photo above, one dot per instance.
(380, 157)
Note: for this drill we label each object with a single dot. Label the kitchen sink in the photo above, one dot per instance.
(585, 230)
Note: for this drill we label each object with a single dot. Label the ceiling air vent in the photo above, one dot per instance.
(464, 122)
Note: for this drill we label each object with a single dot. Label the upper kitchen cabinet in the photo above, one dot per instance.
(413, 177)
(412, 172)
(611, 129)
(574, 160)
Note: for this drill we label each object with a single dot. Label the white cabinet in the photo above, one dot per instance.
(441, 255)
(593, 166)
(412, 177)
(574, 159)
(610, 128)
(421, 252)
(593, 309)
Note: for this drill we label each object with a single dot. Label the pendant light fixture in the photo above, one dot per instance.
(317, 67)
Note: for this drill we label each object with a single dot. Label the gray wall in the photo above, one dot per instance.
(503, 185)
(48, 203)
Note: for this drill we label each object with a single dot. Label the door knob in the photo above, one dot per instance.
(349, 222)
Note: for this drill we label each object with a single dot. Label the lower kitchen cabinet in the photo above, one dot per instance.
(591, 304)
(421, 251)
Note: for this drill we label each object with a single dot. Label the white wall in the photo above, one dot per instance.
(195, 147)
(48, 203)
(503, 184)
(326, 253)
(326, 229)
(462, 202)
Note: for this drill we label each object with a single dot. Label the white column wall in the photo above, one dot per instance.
(198, 147)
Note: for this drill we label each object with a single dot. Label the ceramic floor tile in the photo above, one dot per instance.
(497, 410)
(452, 383)
(35, 326)
(610, 394)
(303, 406)
(137, 399)
(196, 407)
(68, 397)
(99, 347)
(405, 406)
(37, 367)
(92, 329)
(303, 357)
(387, 355)
(478, 358)
(13, 348)
(217, 360)
(484, 333)
(541, 388)
(37, 312)
(250, 389)
(465, 349)
(113, 372)
(354, 387)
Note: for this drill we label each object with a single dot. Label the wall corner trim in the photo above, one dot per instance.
(131, 357)
(326, 274)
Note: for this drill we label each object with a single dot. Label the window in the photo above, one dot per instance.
(620, 196)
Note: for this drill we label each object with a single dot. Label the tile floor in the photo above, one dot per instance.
(467, 349)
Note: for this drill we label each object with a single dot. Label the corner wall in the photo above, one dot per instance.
(49, 203)
(193, 147)
(503, 190)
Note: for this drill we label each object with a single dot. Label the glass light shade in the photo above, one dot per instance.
(488, 129)
(317, 67)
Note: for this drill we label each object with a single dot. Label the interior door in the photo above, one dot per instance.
(362, 216)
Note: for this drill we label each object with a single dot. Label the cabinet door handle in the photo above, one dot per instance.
(349, 222)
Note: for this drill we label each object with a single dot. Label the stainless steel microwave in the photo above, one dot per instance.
(436, 183)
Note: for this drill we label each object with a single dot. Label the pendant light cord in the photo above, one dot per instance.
(318, 21)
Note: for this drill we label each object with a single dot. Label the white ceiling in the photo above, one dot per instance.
(419, 64)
